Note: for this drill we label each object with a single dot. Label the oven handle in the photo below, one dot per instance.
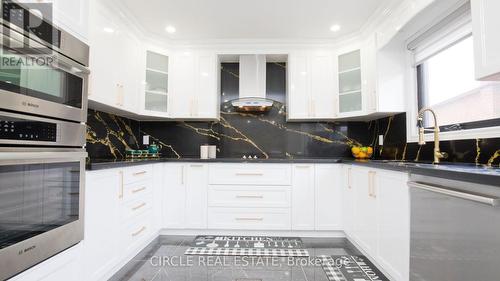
(475, 197)
(5, 156)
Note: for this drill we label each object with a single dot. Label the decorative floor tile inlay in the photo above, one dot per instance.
(351, 268)
(247, 246)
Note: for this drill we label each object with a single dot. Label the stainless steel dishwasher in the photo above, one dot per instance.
(455, 230)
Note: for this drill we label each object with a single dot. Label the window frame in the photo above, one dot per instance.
(461, 24)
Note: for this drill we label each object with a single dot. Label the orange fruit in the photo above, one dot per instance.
(362, 155)
(370, 150)
(355, 150)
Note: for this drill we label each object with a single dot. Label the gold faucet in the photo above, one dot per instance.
(421, 133)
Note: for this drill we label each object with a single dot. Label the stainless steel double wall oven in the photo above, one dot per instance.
(43, 110)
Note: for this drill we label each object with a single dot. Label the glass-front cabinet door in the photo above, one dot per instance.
(350, 93)
(156, 90)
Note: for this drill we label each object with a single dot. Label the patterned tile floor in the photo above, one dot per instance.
(177, 267)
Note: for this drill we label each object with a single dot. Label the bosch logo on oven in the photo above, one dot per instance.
(26, 250)
(30, 104)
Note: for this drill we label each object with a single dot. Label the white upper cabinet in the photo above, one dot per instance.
(371, 80)
(73, 16)
(154, 82)
(312, 86)
(193, 88)
(70, 15)
(350, 83)
(485, 24)
(114, 82)
(298, 87)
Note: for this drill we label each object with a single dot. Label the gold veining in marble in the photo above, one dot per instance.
(417, 158)
(493, 158)
(403, 156)
(162, 145)
(229, 72)
(478, 151)
(348, 142)
(118, 121)
(202, 131)
(240, 136)
(93, 138)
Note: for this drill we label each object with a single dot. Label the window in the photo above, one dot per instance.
(446, 84)
(444, 61)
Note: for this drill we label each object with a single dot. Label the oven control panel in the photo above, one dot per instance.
(13, 129)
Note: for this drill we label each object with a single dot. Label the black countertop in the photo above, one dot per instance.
(457, 171)
(99, 164)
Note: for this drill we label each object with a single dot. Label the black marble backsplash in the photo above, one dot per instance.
(268, 135)
(478, 151)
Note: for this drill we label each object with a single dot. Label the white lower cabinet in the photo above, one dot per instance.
(328, 197)
(377, 217)
(365, 226)
(101, 246)
(303, 197)
(126, 207)
(249, 218)
(196, 196)
(120, 218)
(174, 196)
(393, 214)
(249, 197)
(348, 201)
(185, 195)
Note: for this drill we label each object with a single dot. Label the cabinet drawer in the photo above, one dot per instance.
(135, 190)
(248, 196)
(249, 218)
(137, 173)
(133, 208)
(136, 232)
(250, 174)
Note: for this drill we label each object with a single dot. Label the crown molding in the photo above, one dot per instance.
(383, 16)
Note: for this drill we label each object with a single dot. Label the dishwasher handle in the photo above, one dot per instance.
(475, 197)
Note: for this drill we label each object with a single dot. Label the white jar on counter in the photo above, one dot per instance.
(204, 151)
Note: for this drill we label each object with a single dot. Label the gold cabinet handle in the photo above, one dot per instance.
(349, 172)
(120, 194)
(139, 189)
(249, 219)
(138, 231)
(138, 206)
(182, 175)
(139, 173)
(303, 166)
(371, 184)
(249, 174)
(250, 196)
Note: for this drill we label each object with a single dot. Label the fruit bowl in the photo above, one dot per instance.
(362, 152)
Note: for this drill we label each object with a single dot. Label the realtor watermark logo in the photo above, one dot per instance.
(31, 19)
(244, 261)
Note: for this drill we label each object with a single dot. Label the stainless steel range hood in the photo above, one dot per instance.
(252, 96)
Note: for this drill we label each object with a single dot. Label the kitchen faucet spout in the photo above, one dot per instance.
(438, 155)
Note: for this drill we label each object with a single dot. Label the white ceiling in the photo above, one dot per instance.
(251, 19)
